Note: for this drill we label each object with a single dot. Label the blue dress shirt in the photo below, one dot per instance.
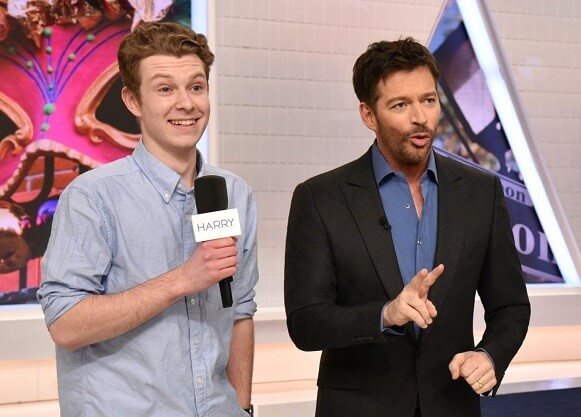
(116, 227)
(414, 238)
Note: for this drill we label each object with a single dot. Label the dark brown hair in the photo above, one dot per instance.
(159, 38)
(382, 59)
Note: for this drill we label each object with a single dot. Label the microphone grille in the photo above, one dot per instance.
(210, 193)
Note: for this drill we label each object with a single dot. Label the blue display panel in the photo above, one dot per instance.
(479, 126)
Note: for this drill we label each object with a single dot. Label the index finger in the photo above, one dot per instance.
(430, 279)
(221, 243)
(418, 279)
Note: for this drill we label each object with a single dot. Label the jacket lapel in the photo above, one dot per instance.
(452, 219)
(362, 198)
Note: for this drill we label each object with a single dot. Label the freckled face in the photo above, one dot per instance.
(173, 106)
(405, 117)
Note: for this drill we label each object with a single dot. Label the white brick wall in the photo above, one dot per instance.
(286, 106)
(287, 110)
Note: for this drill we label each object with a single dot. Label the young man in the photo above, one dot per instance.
(130, 299)
(385, 254)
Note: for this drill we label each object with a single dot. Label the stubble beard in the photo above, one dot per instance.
(404, 151)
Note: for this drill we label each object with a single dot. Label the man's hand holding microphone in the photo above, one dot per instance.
(211, 262)
(214, 261)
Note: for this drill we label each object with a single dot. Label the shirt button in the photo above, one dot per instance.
(166, 196)
(193, 301)
(407, 206)
(419, 242)
(196, 341)
(200, 380)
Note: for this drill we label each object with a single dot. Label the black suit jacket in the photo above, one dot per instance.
(341, 269)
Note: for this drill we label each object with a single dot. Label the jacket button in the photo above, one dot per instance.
(419, 355)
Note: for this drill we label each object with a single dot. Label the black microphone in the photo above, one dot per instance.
(384, 223)
(211, 195)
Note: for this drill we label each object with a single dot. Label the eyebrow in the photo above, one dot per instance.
(169, 76)
(404, 98)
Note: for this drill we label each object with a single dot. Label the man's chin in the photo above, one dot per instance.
(185, 146)
(417, 155)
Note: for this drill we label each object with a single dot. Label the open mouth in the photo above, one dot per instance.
(420, 139)
(183, 122)
(420, 135)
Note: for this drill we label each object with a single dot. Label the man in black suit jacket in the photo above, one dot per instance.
(399, 344)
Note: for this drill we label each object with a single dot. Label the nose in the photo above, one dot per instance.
(184, 101)
(418, 114)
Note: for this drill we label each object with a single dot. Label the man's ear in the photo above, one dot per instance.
(131, 102)
(368, 116)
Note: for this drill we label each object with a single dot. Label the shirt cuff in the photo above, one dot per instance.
(389, 331)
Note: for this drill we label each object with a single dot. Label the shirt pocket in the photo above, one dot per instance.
(214, 297)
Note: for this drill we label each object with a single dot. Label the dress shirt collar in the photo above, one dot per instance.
(382, 169)
(164, 179)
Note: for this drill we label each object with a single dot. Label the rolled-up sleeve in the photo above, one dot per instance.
(247, 274)
(78, 255)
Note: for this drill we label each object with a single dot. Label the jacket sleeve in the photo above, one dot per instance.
(503, 292)
(315, 320)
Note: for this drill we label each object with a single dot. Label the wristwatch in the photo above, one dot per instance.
(250, 410)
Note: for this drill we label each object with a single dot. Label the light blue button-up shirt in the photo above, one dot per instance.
(116, 227)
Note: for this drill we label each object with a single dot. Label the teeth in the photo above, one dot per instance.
(182, 122)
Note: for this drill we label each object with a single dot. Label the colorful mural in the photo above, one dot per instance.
(60, 114)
